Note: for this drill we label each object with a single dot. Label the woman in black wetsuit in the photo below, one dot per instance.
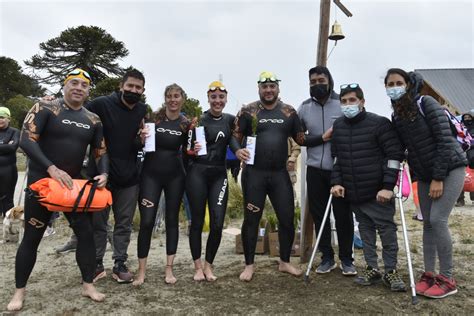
(9, 139)
(206, 181)
(163, 170)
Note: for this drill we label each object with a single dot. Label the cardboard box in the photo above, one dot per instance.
(274, 245)
(262, 242)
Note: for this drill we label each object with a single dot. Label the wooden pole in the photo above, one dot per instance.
(321, 59)
(324, 13)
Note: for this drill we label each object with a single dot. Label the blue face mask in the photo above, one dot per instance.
(350, 110)
(396, 93)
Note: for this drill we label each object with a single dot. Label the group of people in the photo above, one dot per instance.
(348, 153)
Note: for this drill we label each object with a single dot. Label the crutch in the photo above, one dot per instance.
(394, 164)
(320, 232)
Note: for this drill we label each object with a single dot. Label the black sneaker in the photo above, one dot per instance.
(99, 272)
(393, 281)
(369, 277)
(121, 274)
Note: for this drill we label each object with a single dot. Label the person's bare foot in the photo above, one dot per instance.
(139, 278)
(89, 290)
(199, 275)
(210, 277)
(288, 268)
(16, 303)
(247, 274)
(169, 277)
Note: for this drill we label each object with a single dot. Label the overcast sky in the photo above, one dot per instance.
(192, 42)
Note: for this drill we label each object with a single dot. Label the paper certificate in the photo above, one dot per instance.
(251, 143)
(201, 139)
(150, 140)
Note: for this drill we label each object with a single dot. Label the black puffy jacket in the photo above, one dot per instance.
(363, 145)
(432, 149)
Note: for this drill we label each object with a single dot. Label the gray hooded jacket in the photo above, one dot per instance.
(317, 119)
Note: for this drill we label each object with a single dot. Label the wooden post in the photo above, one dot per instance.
(321, 59)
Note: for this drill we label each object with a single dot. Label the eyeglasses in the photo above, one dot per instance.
(77, 72)
(349, 85)
(214, 88)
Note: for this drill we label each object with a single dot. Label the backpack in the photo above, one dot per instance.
(457, 127)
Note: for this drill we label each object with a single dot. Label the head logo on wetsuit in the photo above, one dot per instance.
(273, 121)
(169, 131)
(81, 125)
(220, 134)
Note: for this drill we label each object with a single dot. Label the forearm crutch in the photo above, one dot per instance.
(394, 164)
(320, 232)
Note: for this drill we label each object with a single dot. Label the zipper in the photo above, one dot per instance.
(322, 155)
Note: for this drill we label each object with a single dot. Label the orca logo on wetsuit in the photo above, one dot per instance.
(36, 223)
(273, 121)
(253, 208)
(220, 134)
(69, 122)
(169, 131)
(222, 193)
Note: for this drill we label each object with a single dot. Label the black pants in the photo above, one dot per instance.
(36, 220)
(150, 190)
(256, 184)
(319, 185)
(206, 183)
(9, 177)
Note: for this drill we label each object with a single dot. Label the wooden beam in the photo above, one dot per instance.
(343, 8)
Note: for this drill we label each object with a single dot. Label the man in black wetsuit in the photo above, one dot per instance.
(55, 136)
(122, 115)
(272, 122)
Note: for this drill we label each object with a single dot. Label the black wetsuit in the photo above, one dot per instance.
(54, 134)
(9, 139)
(206, 181)
(268, 174)
(163, 170)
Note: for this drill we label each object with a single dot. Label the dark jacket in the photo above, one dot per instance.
(432, 149)
(363, 145)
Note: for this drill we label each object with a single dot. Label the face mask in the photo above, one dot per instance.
(319, 91)
(396, 93)
(131, 97)
(468, 122)
(350, 110)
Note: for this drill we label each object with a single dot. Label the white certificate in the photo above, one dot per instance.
(150, 140)
(251, 144)
(201, 139)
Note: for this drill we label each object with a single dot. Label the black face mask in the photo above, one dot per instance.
(319, 91)
(468, 122)
(131, 97)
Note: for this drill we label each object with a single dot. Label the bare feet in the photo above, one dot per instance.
(288, 268)
(210, 277)
(199, 275)
(139, 278)
(169, 277)
(16, 303)
(247, 274)
(89, 290)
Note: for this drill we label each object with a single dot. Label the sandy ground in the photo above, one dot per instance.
(54, 286)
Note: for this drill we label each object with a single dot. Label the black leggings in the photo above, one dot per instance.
(8, 176)
(206, 183)
(256, 184)
(150, 190)
(36, 220)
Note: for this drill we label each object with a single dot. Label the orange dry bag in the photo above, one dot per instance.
(84, 196)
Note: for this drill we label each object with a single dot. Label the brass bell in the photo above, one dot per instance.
(336, 33)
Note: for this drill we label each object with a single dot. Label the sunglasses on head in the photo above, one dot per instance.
(77, 72)
(349, 85)
(267, 79)
(217, 88)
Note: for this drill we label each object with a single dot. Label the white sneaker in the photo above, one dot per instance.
(49, 231)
